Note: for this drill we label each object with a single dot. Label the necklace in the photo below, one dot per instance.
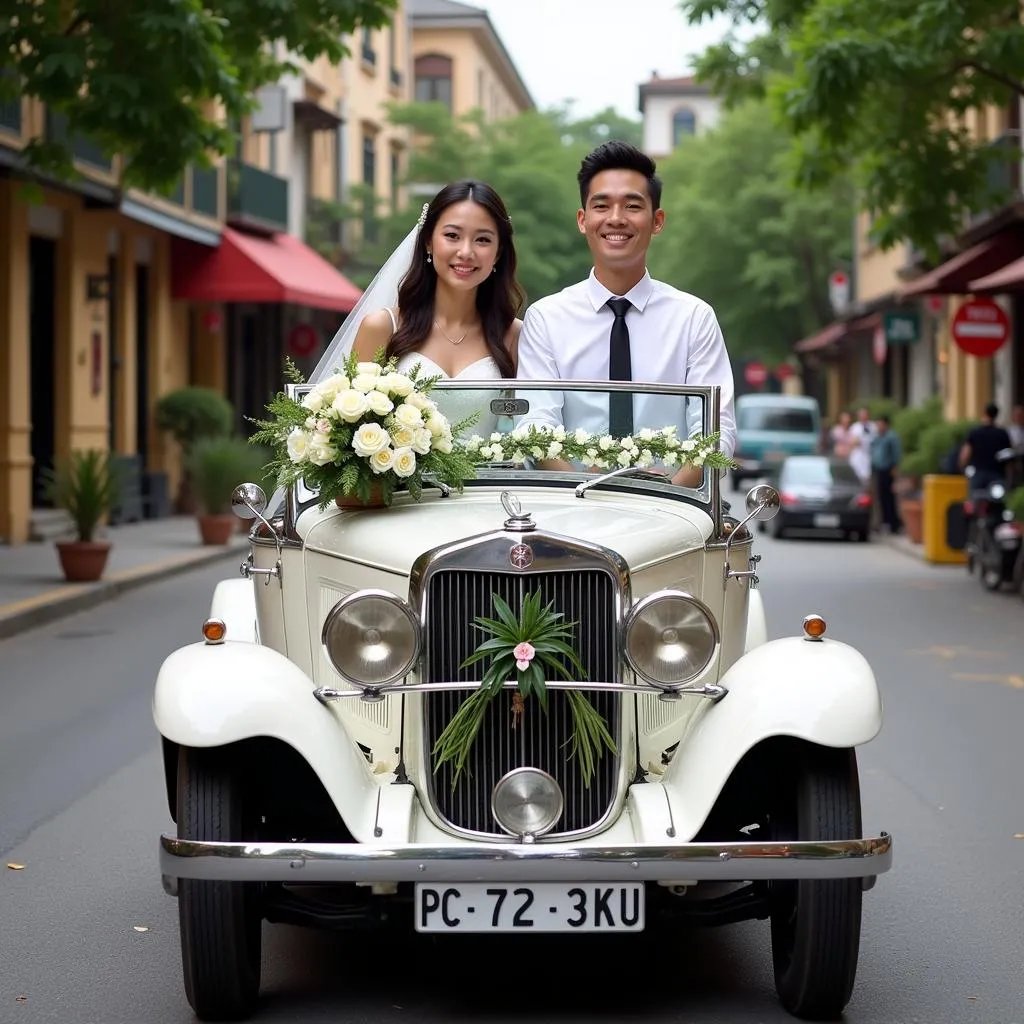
(445, 333)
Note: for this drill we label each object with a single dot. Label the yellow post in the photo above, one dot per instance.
(940, 491)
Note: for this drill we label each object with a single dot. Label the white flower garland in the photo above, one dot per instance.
(644, 449)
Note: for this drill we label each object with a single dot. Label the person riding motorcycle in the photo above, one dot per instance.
(980, 450)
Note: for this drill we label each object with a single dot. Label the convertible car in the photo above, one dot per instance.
(301, 730)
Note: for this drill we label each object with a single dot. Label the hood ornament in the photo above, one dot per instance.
(518, 521)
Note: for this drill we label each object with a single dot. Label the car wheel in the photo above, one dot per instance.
(777, 529)
(815, 925)
(221, 922)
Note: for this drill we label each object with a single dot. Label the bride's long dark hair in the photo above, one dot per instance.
(498, 299)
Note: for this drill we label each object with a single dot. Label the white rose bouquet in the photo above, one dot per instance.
(363, 433)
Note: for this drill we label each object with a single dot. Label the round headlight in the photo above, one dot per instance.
(371, 637)
(526, 802)
(671, 638)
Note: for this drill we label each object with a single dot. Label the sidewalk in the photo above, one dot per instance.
(32, 586)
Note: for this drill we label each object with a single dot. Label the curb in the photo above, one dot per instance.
(75, 597)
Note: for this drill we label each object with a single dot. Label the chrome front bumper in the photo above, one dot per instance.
(689, 862)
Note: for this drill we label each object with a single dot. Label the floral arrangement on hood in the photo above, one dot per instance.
(364, 429)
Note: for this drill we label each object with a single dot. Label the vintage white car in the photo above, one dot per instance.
(299, 730)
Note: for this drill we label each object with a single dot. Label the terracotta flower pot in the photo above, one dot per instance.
(376, 500)
(83, 561)
(912, 514)
(216, 529)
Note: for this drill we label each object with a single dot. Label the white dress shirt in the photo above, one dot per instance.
(674, 338)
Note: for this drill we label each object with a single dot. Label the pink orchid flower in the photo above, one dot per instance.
(524, 654)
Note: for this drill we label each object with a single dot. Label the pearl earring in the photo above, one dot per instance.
(429, 260)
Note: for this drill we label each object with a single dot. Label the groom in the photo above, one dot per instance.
(620, 324)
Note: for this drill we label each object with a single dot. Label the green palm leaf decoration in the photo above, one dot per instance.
(537, 641)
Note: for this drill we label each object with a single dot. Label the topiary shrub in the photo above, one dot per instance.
(193, 413)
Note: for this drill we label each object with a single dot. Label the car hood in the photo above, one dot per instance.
(641, 528)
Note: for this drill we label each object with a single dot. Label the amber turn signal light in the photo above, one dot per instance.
(814, 627)
(214, 631)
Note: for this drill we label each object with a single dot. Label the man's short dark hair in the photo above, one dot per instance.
(615, 155)
(992, 410)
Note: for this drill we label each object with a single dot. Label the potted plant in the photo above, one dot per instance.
(189, 415)
(216, 465)
(86, 485)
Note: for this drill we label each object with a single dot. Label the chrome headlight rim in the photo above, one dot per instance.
(640, 606)
(508, 779)
(344, 605)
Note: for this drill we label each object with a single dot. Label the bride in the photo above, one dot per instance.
(456, 305)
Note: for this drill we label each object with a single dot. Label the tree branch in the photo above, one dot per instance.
(76, 24)
(1015, 85)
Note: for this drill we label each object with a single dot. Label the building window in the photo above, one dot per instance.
(396, 174)
(684, 124)
(434, 79)
(396, 74)
(369, 54)
(370, 183)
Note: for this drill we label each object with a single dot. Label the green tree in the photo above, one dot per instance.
(143, 79)
(531, 160)
(739, 234)
(879, 89)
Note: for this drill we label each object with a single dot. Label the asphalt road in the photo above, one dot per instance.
(87, 935)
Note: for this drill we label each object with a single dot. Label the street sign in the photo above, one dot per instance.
(839, 290)
(303, 340)
(783, 372)
(903, 327)
(755, 374)
(980, 327)
(879, 345)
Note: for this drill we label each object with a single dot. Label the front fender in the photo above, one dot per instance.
(234, 604)
(823, 692)
(757, 624)
(210, 695)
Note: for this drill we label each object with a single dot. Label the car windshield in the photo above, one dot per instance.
(817, 472)
(492, 412)
(783, 419)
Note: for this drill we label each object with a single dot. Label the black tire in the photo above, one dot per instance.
(990, 566)
(815, 925)
(777, 529)
(221, 922)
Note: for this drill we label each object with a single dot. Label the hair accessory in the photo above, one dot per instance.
(423, 215)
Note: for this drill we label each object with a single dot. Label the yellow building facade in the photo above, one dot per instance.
(459, 60)
(89, 336)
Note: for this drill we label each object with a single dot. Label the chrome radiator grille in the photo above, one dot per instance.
(454, 599)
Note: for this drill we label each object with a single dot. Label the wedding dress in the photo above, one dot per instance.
(458, 405)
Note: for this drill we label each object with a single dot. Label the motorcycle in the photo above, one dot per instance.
(994, 537)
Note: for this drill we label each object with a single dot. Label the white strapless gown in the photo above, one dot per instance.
(457, 405)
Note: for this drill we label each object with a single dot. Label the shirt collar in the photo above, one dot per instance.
(637, 295)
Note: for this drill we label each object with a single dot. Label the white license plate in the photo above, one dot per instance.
(541, 907)
(825, 522)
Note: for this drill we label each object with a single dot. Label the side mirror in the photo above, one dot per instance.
(248, 501)
(762, 503)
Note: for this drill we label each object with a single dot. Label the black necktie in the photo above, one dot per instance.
(620, 403)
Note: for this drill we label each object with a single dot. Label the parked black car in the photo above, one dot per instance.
(821, 493)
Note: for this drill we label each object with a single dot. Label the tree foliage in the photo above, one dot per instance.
(882, 89)
(739, 234)
(150, 79)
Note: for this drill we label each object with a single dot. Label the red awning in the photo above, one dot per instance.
(837, 331)
(1009, 279)
(247, 268)
(955, 275)
(833, 332)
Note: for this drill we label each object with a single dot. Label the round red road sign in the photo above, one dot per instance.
(980, 327)
(879, 345)
(303, 340)
(755, 374)
(783, 372)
